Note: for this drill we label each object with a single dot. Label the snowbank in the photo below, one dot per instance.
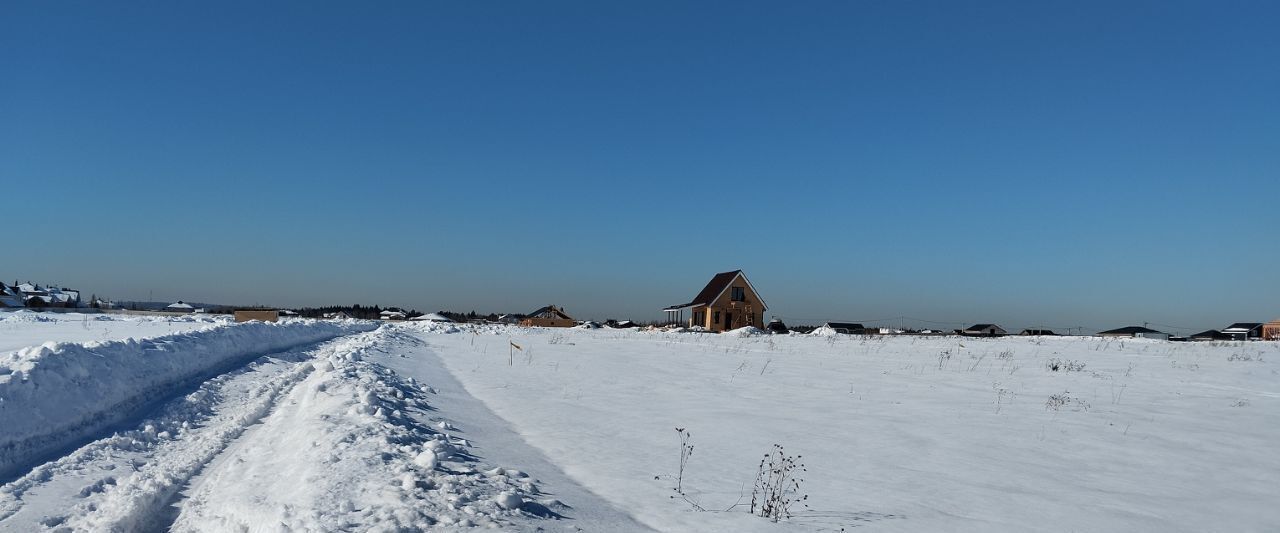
(345, 451)
(824, 331)
(57, 393)
(749, 331)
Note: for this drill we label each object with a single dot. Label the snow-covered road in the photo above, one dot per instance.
(237, 435)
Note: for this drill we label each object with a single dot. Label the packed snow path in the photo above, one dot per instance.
(317, 438)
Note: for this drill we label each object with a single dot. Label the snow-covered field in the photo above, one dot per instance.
(20, 329)
(898, 433)
(338, 426)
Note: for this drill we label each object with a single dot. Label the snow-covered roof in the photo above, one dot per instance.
(432, 317)
(180, 305)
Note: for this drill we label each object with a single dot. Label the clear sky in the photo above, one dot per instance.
(1028, 163)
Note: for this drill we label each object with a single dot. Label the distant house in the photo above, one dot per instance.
(1244, 331)
(728, 301)
(848, 328)
(180, 307)
(1038, 332)
(393, 314)
(549, 317)
(63, 297)
(1271, 330)
(31, 289)
(1210, 335)
(1135, 331)
(261, 315)
(984, 330)
(338, 315)
(11, 296)
(431, 317)
(37, 301)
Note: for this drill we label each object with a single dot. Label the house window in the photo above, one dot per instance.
(697, 318)
(739, 294)
(716, 317)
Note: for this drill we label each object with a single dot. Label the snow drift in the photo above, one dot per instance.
(57, 393)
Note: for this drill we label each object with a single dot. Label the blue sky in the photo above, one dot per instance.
(1090, 163)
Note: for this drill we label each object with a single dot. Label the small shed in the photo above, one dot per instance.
(180, 307)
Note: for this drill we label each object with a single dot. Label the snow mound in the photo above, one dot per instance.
(58, 393)
(25, 316)
(824, 331)
(749, 331)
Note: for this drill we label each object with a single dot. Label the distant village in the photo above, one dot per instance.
(727, 302)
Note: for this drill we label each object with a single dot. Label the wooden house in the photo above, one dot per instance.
(549, 317)
(729, 301)
(1271, 330)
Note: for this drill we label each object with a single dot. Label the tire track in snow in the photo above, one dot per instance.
(145, 500)
(349, 449)
(57, 397)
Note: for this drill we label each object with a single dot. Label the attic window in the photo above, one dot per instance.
(739, 294)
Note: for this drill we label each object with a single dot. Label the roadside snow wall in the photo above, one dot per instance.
(53, 395)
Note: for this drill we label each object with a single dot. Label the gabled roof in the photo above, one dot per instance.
(550, 311)
(844, 325)
(1244, 326)
(718, 284)
(1128, 330)
(1042, 332)
(977, 327)
(1210, 334)
(179, 305)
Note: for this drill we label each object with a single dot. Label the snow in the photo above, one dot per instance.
(57, 393)
(318, 437)
(432, 317)
(370, 426)
(824, 331)
(898, 433)
(23, 328)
